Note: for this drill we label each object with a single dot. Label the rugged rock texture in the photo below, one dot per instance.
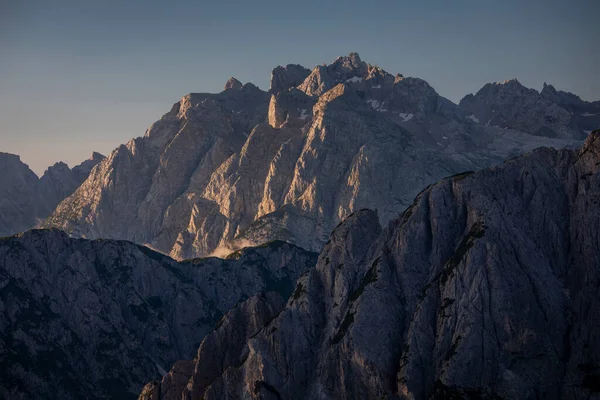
(242, 167)
(19, 199)
(234, 84)
(486, 287)
(99, 319)
(59, 181)
(25, 199)
(139, 191)
(550, 113)
(221, 349)
(283, 78)
(290, 108)
(585, 114)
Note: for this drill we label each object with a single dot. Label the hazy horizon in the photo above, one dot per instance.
(77, 78)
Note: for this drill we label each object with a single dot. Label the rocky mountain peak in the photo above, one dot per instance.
(550, 113)
(25, 198)
(344, 69)
(354, 57)
(234, 84)
(97, 156)
(510, 82)
(58, 166)
(19, 197)
(549, 92)
(248, 166)
(9, 157)
(351, 62)
(250, 87)
(586, 114)
(285, 77)
(11, 164)
(83, 170)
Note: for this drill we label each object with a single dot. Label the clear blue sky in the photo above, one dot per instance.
(84, 75)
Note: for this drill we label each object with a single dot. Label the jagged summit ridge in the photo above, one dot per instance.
(233, 83)
(26, 199)
(288, 76)
(243, 166)
(548, 113)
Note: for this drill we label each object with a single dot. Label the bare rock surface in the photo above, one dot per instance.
(485, 287)
(238, 168)
(98, 319)
(25, 199)
(548, 113)
(288, 76)
(223, 348)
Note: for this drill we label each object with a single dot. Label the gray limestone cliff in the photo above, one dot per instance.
(485, 287)
(242, 167)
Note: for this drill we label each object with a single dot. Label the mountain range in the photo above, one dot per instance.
(26, 200)
(243, 167)
(376, 240)
(484, 288)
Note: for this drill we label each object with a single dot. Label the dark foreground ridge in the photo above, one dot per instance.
(82, 319)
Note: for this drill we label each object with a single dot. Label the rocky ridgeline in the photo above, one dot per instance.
(549, 113)
(98, 319)
(485, 287)
(25, 199)
(245, 166)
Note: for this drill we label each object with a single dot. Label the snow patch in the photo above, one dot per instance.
(354, 79)
(303, 114)
(374, 103)
(377, 105)
(440, 144)
(587, 132)
(588, 115)
(445, 137)
(406, 117)
(473, 118)
(376, 86)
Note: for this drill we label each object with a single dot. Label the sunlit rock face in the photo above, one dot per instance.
(485, 287)
(98, 319)
(242, 167)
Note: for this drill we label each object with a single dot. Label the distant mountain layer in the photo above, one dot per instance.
(243, 167)
(550, 113)
(84, 319)
(485, 288)
(25, 199)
